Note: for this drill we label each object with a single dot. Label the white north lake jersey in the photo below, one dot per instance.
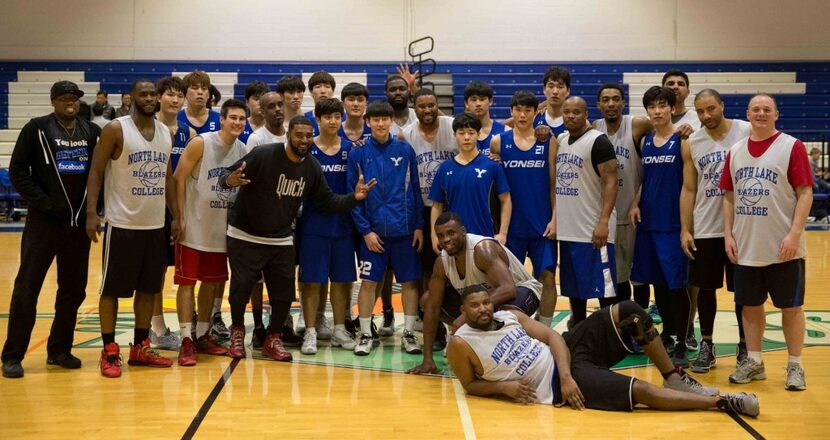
(509, 353)
(206, 202)
(476, 280)
(690, 117)
(764, 201)
(709, 156)
(262, 136)
(629, 165)
(431, 155)
(134, 184)
(579, 190)
(395, 128)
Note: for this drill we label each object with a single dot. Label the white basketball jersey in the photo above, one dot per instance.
(690, 117)
(262, 136)
(764, 201)
(509, 353)
(579, 190)
(431, 155)
(206, 202)
(708, 157)
(134, 184)
(397, 128)
(475, 279)
(629, 165)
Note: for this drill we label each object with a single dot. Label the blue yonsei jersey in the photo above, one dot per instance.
(315, 128)
(541, 119)
(179, 142)
(484, 144)
(212, 123)
(468, 189)
(528, 173)
(662, 182)
(367, 132)
(315, 221)
(246, 132)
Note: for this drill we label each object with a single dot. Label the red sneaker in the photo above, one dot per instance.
(207, 345)
(187, 353)
(236, 349)
(273, 349)
(111, 360)
(142, 354)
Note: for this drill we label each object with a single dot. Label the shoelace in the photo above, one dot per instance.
(237, 338)
(692, 382)
(114, 359)
(365, 339)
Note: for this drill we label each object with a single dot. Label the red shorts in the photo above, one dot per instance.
(193, 265)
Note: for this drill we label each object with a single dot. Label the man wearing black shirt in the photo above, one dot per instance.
(274, 178)
(49, 168)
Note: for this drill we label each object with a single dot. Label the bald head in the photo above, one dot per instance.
(577, 101)
(575, 115)
(271, 105)
(763, 99)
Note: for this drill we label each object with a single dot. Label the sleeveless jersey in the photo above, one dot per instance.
(180, 140)
(396, 128)
(557, 125)
(509, 353)
(708, 157)
(431, 155)
(262, 136)
(528, 175)
(134, 184)
(579, 190)
(246, 132)
(315, 129)
(206, 202)
(662, 182)
(629, 166)
(367, 132)
(690, 117)
(764, 201)
(314, 221)
(484, 144)
(476, 280)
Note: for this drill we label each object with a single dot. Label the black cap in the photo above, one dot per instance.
(63, 87)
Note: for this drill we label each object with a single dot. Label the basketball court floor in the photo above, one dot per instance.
(336, 393)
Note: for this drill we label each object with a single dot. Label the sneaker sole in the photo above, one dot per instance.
(288, 359)
(308, 352)
(386, 331)
(187, 364)
(418, 351)
(762, 376)
(147, 364)
(362, 353)
(795, 388)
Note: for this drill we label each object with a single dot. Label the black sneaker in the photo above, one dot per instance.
(692, 342)
(740, 353)
(440, 340)
(258, 337)
(375, 335)
(679, 357)
(12, 369)
(668, 344)
(388, 327)
(706, 358)
(64, 360)
(351, 326)
(290, 338)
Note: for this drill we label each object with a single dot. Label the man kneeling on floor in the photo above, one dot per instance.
(508, 353)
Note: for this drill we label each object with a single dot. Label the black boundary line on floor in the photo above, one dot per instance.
(200, 416)
(743, 424)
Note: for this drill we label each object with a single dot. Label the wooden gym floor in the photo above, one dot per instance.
(336, 393)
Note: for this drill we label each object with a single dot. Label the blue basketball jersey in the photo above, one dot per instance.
(467, 190)
(541, 119)
(246, 132)
(315, 221)
(316, 128)
(179, 142)
(528, 174)
(662, 182)
(212, 123)
(367, 132)
(484, 144)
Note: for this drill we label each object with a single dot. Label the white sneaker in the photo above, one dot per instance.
(323, 328)
(342, 338)
(410, 343)
(419, 325)
(300, 329)
(364, 345)
(309, 342)
(167, 341)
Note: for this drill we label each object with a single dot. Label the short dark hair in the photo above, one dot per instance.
(425, 91)
(614, 86)
(393, 78)
(466, 120)
(299, 120)
(709, 92)
(674, 72)
(556, 73)
(379, 108)
(321, 77)
(448, 216)
(327, 106)
(478, 88)
(135, 84)
(232, 103)
(102, 92)
(290, 83)
(170, 83)
(97, 109)
(525, 99)
(657, 94)
(354, 89)
(255, 88)
(123, 94)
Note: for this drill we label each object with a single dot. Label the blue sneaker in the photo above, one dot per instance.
(654, 313)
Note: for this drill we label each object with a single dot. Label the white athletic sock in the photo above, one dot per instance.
(794, 360)
(409, 322)
(547, 320)
(366, 325)
(157, 324)
(201, 329)
(217, 305)
(187, 329)
(754, 355)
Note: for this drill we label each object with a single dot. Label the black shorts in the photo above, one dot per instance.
(251, 262)
(526, 301)
(707, 269)
(133, 261)
(428, 256)
(596, 345)
(784, 282)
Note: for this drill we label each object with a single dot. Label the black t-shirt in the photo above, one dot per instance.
(601, 151)
(72, 154)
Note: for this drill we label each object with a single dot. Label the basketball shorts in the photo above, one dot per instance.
(624, 251)
(134, 261)
(659, 260)
(327, 258)
(706, 271)
(585, 272)
(784, 282)
(194, 265)
(398, 254)
(540, 250)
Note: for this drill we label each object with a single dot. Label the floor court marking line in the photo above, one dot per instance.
(202, 413)
(743, 424)
(463, 410)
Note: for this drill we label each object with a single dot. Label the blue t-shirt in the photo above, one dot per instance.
(246, 132)
(541, 119)
(180, 140)
(662, 182)
(212, 123)
(484, 144)
(528, 173)
(468, 189)
(314, 221)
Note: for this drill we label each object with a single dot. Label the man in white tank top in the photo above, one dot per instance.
(199, 224)
(701, 217)
(586, 191)
(135, 152)
(678, 81)
(769, 191)
(507, 353)
(272, 105)
(397, 94)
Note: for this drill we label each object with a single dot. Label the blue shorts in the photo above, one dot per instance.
(542, 252)
(659, 259)
(398, 253)
(327, 258)
(585, 272)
